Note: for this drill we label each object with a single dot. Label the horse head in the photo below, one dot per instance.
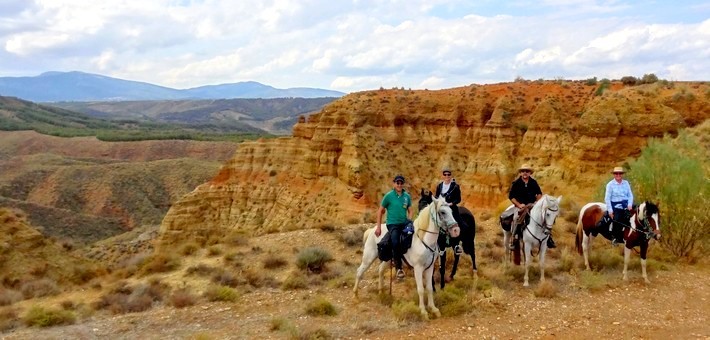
(426, 198)
(443, 217)
(549, 208)
(648, 218)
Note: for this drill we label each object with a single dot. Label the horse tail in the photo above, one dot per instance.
(579, 237)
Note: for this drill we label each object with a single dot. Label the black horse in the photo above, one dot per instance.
(467, 237)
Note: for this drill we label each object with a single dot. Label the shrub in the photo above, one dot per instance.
(321, 306)
(452, 301)
(295, 280)
(279, 324)
(127, 299)
(649, 78)
(9, 296)
(592, 281)
(591, 81)
(225, 278)
(313, 258)
(189, 248)
(39, 288)
(221, 293)
(406, 311)
(352, 237)
(214, 250)
(546, 289)
(41, 317)
(327, 227)
(182, 298)
(629, 80)
(200, 270)
(273, 262)
(8, 319)
(161, 263)
(670, 173)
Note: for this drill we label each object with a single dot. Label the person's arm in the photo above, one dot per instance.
(631, 196)
(409, 212)
(607, 200)
(378, 229)
(438, 189)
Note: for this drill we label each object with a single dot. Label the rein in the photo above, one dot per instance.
(434, 216)
(545, 227)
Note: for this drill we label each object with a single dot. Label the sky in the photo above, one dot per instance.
(356, 45)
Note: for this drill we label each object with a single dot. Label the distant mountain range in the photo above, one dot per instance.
(80, 86)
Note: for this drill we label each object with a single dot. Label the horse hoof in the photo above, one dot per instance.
(647, 281)
(425, 316)
(436, 312)
(526, 284)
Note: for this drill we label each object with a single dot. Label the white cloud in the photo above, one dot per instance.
(355, 45)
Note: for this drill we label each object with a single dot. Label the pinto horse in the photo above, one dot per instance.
(467, 238)
(643, 225)
(421, 255)
(535, 233)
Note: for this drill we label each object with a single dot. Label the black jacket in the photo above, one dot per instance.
(452, 196)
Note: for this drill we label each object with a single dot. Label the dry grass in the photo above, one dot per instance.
(406, 311)
(274, 262)
(182, 298)
(9, 296)
(201, 270)
(8, 319)
(46, 317)
(351, 237)
(295, 280)
(161, 263)
(546, 289)
(226, 278)
(321, 306)
(189, 248)
(39, 288)
(215, 250)
(221, 293)
(127, 299)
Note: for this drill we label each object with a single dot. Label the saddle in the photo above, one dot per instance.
(385, 250)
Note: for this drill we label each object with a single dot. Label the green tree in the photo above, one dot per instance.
(672, 173)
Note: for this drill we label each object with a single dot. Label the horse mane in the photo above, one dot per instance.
(424, 215)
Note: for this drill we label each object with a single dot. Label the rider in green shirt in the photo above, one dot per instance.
(398, 204)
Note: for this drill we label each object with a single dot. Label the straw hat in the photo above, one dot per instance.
(618, 169)
(446, 169)
(525, 166)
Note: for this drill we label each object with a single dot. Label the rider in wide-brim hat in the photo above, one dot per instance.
(525, 167)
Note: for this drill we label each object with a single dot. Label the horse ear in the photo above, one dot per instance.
(559, 199)
(422, 192)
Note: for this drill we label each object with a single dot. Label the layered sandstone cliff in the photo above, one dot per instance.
(339, 162)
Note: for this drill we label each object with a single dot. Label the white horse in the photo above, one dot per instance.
(421, 255)
(542, 217)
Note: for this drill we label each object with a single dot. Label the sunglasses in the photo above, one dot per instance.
(618, 173)
(525, 171)
(447, 174)
(399, 182)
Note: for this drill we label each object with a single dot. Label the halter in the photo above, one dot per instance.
(645, 228)
(546, 228)
(434, 216)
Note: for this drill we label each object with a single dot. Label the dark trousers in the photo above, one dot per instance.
(395, 233)
(621, 221)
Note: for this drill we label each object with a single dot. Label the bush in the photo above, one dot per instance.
(273, 262)
(161, 263)
(313, 258)
(41, 317)
(352, 237)
(671, 174)
(221, 293)
(225, 278)
(295, 280)
(39, 288)
(189, 248)
(406, 311)
(546, 289)
(182, 298)
(9, 296)
(214, 250)
(321, 306)
(629, 80)
(8, 319)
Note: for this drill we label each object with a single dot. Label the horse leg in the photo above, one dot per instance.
(381, 276)
(454, 267)
(442, 268)
(368, 257)
(644, 249)
(586, 245)
(429, 272)
(506, 246)
(528, 260)
(541, 260)
(627, 255)
(419, 277)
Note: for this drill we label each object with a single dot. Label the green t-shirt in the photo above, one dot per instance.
(396, 206)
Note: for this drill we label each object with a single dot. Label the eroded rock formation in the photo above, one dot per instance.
(339, 162)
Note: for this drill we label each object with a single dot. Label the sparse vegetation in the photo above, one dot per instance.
(546, 289)
(274, 262)
(161, 263)
(406, 311)
(321, 306)
(314, 259)
(221, 293)
(182, 298)
(45, 317)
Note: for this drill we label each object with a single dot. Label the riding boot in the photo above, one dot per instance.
(551, 243)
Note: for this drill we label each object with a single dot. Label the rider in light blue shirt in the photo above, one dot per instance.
(618, 199)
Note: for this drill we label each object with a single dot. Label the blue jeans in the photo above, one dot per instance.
(395, 233)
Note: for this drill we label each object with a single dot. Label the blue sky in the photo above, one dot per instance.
(355, 45)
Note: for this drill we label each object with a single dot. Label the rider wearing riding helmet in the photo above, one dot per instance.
(524, 192)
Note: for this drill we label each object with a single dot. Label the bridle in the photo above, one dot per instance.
(645, 226)
(434, 217)
(546, 228)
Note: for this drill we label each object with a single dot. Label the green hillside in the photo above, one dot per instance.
(17, 114)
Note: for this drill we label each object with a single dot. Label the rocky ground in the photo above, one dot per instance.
(674, 305)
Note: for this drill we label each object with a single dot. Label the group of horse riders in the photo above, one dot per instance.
(523, 193)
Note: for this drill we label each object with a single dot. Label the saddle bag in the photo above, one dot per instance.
(384, 248)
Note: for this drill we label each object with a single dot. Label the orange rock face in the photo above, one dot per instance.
(339, 162)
